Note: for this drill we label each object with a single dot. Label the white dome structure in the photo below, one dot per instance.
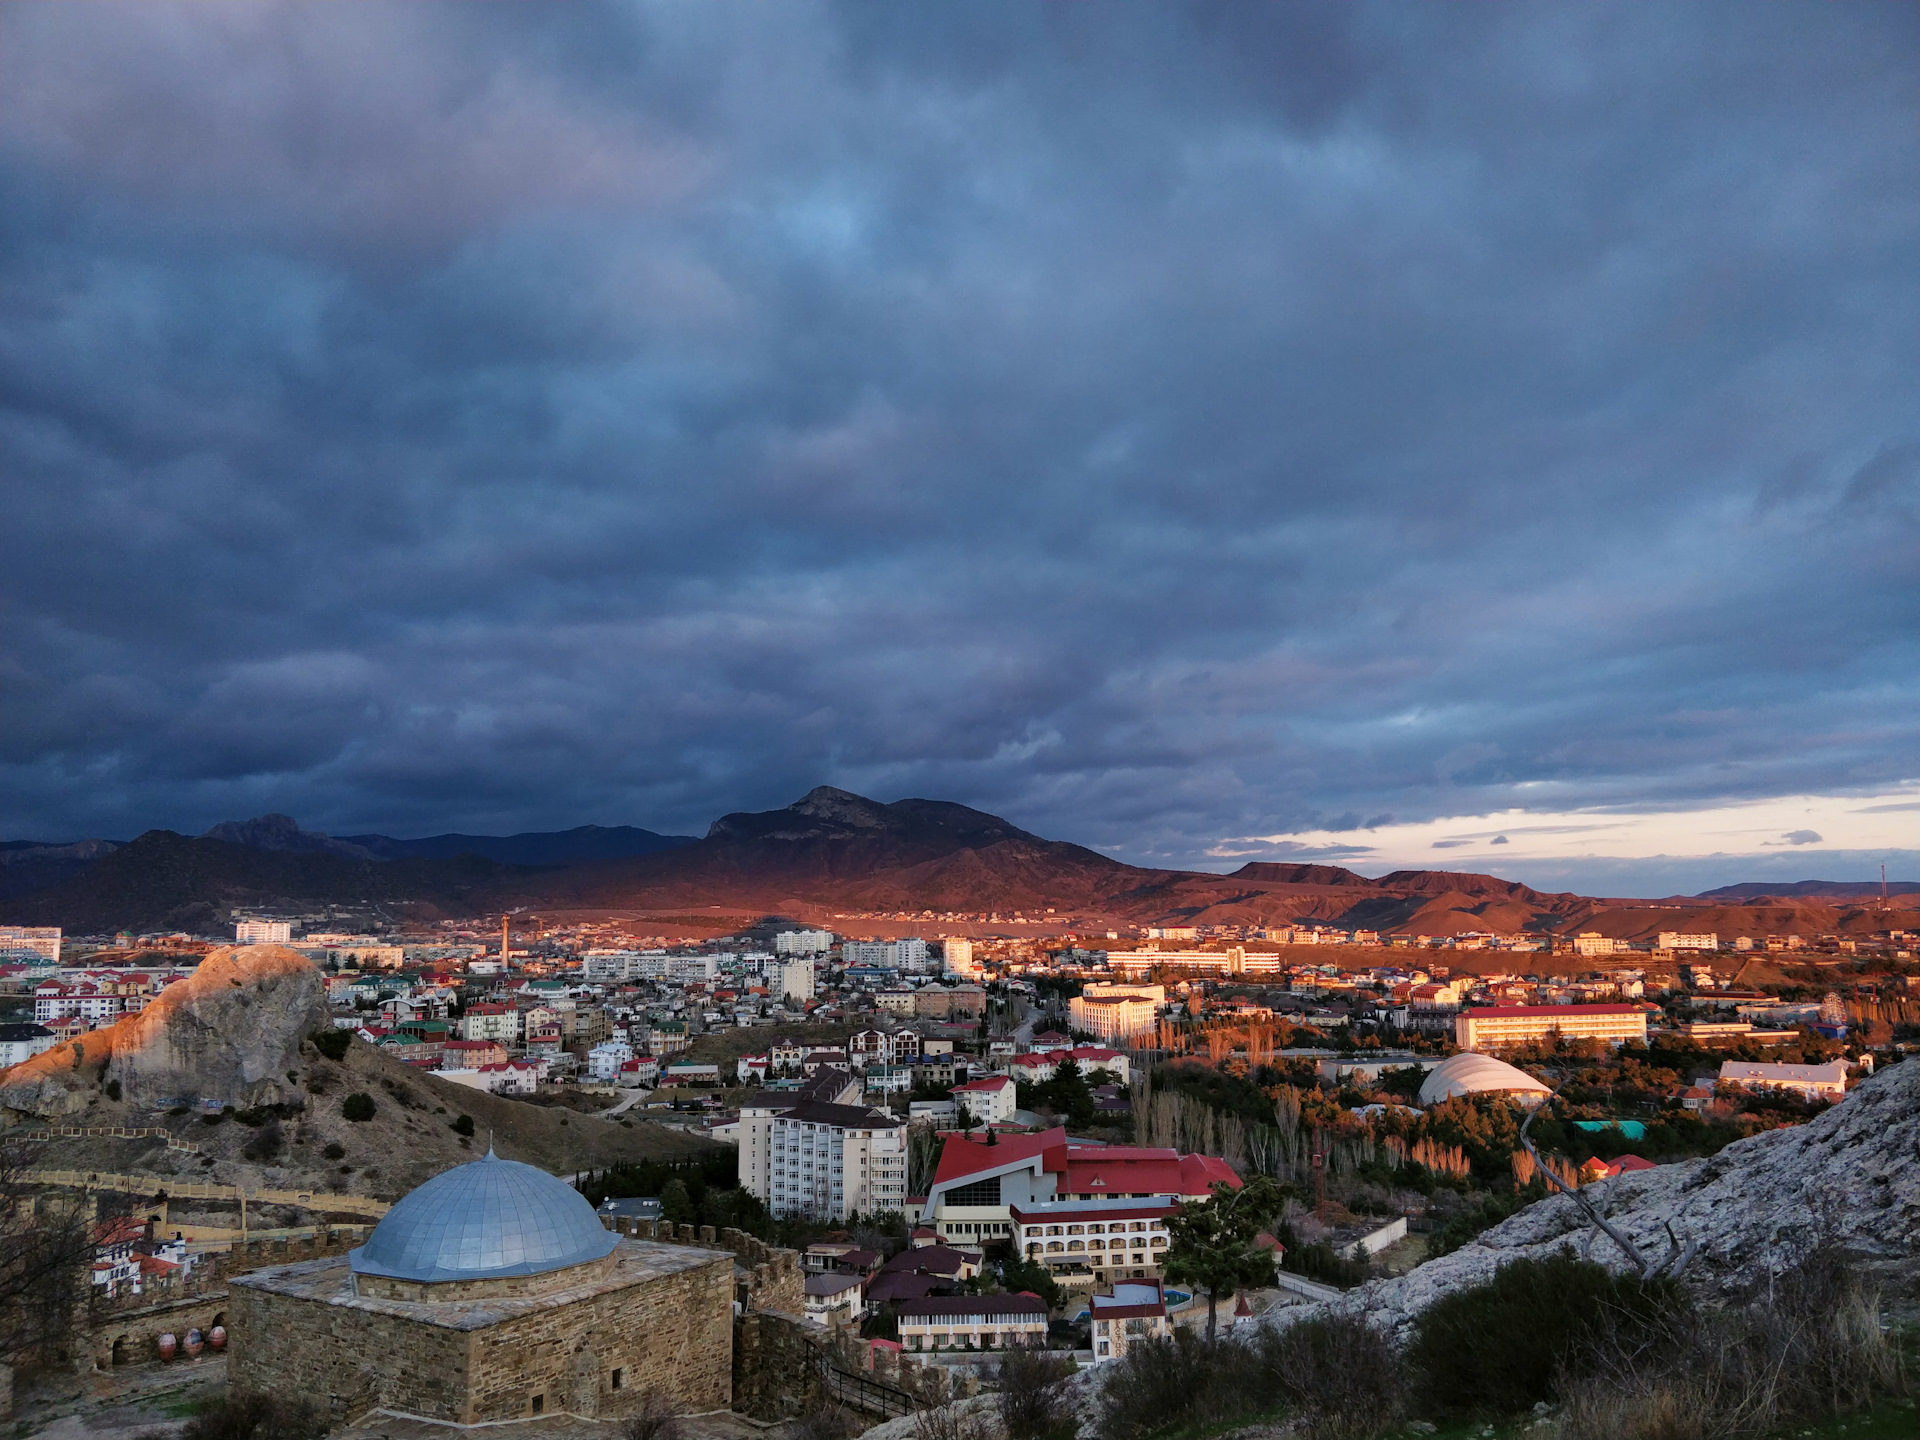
(1471, 1074)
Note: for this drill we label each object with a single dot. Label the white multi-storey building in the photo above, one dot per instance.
(796, 980)
(1114, 1019)
(1498, 1027)
(1686, 940)
(958, 955)
(803, 942)
(821, 1159)
(262, 932)
(36, 942)
(907, 955)
(487, 1021)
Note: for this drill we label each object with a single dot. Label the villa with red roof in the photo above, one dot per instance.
(977, 1184)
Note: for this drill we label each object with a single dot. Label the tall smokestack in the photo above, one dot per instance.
(504, 920)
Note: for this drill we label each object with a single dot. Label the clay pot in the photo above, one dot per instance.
(217, 1339)
(168, 1345)
(195, 1342)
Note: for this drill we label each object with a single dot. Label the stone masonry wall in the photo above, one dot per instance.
(672, 1334)
(346, 1360)
(774, 1279)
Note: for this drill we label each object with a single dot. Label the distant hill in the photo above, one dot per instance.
(30, 865)
(1798, 889)
(534, 847)
(828, 853)
(164, 881)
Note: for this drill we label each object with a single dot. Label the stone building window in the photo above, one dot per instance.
(539, 1405)
(619, 1379)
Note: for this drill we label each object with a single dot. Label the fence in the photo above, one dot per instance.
(861, 1392)
(156, 1186)
(115, 1132)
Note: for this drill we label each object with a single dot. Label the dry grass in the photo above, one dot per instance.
(1809, 1347)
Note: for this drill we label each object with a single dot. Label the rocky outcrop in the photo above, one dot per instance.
(1851, 1176)
(230, 1033)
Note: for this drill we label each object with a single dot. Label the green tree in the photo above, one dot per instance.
(1212, 1241)
(676, 1203)
(358, 1106)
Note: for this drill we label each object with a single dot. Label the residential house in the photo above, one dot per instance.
(1135, 1311)
(835, 1301)
(973, 1322)
(1093, 1242)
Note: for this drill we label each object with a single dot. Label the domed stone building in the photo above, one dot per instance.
(490, 1293)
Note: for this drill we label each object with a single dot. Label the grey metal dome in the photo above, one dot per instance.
(491, 1218)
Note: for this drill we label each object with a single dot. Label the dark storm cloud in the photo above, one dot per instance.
(1153, 423)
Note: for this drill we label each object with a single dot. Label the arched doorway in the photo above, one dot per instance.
(121, 1349)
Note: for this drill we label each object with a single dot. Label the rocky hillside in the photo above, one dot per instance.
(228, 1034)
(1852, 1175)
(236, 1034)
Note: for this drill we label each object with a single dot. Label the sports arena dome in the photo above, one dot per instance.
(1471, 1074)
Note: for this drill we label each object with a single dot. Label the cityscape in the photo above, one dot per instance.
(849, 721)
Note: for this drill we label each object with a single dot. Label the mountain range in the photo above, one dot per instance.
(829, 853)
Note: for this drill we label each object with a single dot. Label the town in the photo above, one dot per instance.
(983, 1143)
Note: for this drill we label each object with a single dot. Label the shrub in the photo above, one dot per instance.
(464, 1125)
(255, 1416)
(335, 1150)
(1495, 1349)
(951, 1422)
(358, 1106)
(654, 1420)
(332, 1043)
(266, 1144)
(1334, 1374)
(1343, 1378)
(1031, 1406)
(112, 1087)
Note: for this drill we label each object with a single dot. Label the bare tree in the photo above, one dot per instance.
(46, 1244)
(1678, 1256)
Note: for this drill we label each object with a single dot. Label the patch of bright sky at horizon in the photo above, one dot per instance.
(1807, 823)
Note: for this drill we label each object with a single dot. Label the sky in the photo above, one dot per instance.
(1203, 432)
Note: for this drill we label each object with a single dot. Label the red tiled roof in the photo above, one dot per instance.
(1123, 1170)
(961, 1157)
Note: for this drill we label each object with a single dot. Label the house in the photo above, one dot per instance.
(1033, 1067)
(973, 1322)
(989, 1100)
(471, 1054)
(1048, 1041)
(23, 1042)
(642, 1070)
(1135, 1311)
(690, 1072)
(921, 1271)
(605, 1059)
(1096, 1057)
(1091, 1242)
(815, 1060)
(750, 1068)
(834, 1300)
(1810, 1082)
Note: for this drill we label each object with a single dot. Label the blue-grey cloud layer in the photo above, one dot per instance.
(1154, 423)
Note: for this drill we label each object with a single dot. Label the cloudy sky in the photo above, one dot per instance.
(1204, 432)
